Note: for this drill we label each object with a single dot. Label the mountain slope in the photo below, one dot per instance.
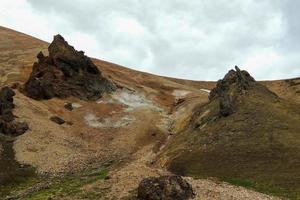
(106, 133)
(245, 133)
(132, 132)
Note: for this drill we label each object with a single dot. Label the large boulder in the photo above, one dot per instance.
(8, 125)
(7, 104)
(66, 72)
(165, 188)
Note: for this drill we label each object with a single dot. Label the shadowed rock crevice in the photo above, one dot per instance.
(66, 72)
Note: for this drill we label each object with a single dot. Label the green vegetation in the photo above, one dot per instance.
(71, 186)
(12, 174)
(67, 186)
(266, 188)
(19, 185)
(258, 146)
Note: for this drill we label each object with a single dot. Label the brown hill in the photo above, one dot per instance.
(245, 133)
(126, 132)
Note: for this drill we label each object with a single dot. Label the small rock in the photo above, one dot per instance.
(69, 123)
(69, 106)
(15, 85)
(165, 188)
(21, 128)
(57, 120)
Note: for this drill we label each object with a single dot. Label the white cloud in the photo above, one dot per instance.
(198, 40)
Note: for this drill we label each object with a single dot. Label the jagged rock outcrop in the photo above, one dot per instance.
(8, 125)
(166, 188)
(66, 72)
(235, 83)
(240, 79)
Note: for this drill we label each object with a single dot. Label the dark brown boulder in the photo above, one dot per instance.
(69, 106)
(6, 106)
(66, 72)
(7, 103)
(165, 188)
(21, 128)
(57, 120)
(13, 128)
(8, 125)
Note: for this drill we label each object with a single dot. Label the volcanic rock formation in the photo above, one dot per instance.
(165, 187)
(242, 79)
(244, 132)
(66, 72)
(8, 125)
(235, 83)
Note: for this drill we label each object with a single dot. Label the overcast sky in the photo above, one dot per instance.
(196, 39)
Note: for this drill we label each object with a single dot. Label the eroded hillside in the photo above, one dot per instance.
(102, 148)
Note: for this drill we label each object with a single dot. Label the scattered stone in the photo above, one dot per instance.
(57, 120)
(15, 85)
(21, 128)
(69, 106)
(165, 188)
(69, 123)
(66, 72)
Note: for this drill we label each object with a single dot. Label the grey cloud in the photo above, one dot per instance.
(188, 39)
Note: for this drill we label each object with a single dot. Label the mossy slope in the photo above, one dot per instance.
(258, 143)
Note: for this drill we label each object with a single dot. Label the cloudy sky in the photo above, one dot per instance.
(199, 40)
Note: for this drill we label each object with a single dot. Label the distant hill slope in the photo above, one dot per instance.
(244, 134)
